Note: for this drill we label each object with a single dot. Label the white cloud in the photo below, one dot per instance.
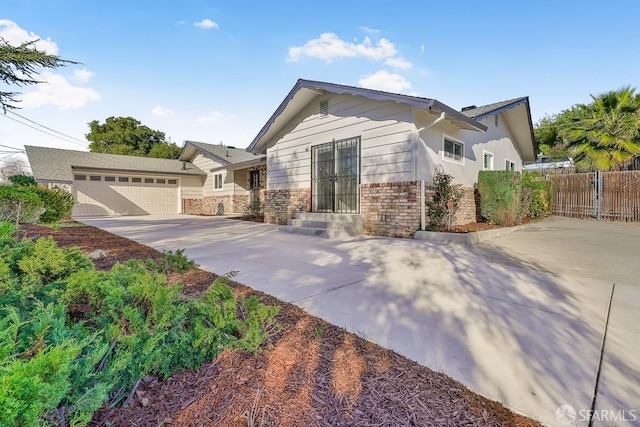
(160, 111)
(385, 81)
(329, 47)
(180, 23)
(214, 117)
(56, 90)
(82, 76)
(14, 35)
(369, 30)
(206, 24)
(398, 63)
(422, 48)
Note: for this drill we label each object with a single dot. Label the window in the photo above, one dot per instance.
(148, 180)
(510, 166)
(110, 178)
(487, 160)
(80, 177)
(160, 181)
(95, 178)
(453, 150)
(136, 179)
(172, 181)
(217, 181)
(123, 179)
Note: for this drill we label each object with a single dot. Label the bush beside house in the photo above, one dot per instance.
(507, 197)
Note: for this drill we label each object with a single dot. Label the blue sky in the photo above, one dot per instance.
(215, 71)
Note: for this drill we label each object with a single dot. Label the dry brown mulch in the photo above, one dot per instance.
(310, 374)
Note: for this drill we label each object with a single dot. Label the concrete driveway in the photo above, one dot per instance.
(520, 319)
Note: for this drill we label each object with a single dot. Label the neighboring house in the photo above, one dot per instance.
(545, 163)
(112, 185)
(234, 178)
(340, 149)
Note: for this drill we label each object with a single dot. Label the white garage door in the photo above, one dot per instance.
(113, 195)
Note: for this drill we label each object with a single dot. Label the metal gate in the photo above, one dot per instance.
(335, 176)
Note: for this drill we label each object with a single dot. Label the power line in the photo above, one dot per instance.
(43, 131)
(48, 128)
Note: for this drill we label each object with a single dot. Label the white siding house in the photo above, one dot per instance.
(339, 149)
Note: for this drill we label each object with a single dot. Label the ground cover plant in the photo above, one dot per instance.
(74, 339)
(310, 373)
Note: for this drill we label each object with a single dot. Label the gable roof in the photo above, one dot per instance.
(517, 113)
(54, 164)
(219, 153)
(305, 91)
(479, 113)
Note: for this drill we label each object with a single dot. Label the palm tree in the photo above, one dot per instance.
(605, 134)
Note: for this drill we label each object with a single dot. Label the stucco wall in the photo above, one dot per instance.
(498, 140)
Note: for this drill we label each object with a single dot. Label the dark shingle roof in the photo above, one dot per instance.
(54, 164)
(478, 113)
(223, 154)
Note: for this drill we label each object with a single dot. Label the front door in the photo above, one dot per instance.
(335, 176)
(254, 185)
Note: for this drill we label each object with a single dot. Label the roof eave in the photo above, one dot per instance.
(515, 103)
(156, 172)
(241, 165)
(425, 104)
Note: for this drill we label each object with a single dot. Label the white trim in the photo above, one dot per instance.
(457, 141)
(510, 161)
(493, 158)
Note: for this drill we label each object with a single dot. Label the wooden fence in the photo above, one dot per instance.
(601, 195)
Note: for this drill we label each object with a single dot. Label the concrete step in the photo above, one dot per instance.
(327, 225)
(319, 232)
(315, 224)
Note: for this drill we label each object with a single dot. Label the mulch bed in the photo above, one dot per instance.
(310, 374)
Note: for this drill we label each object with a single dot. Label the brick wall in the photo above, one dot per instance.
(468, 207)
(235, 203)
(192, 206)
(280, 205)
(391, 209)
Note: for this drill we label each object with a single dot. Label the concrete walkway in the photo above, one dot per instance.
(520, 319)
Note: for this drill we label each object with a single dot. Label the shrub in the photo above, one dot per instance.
(72, 338)
(23, 180)
(19, 204)
(499, 196)
(437, 207)
(172, 262)
(58, 204)
(535, 195)
(254, 209)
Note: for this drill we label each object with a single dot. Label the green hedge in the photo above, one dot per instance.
(499, 196)
(507, 197)
(58, 204)
(20, 204)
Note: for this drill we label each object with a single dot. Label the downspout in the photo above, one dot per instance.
(423, 214)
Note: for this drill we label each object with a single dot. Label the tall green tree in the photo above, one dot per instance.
(19, 66)
(126, 135)
(605, 134)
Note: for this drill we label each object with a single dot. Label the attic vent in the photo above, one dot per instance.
(470, 107)
(324, 108)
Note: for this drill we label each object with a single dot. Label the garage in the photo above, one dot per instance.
(112, 195)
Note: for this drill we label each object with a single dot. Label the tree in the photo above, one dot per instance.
(19, 66)
(126, 135)
(13, 167)
(605, 134)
